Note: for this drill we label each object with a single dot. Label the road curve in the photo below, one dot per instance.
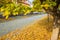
(6, 27)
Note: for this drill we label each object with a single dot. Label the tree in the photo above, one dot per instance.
(50, 6)
(11, 8)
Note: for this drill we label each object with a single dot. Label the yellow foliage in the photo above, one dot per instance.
(15, 13)
(6, 17)
(1, 9)
(6, 14)
(42, 5)
(26, 12)
(46, 6)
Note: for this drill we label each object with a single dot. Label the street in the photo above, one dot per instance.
(9, 26)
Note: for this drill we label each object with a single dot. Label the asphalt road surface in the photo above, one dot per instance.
(9, 26)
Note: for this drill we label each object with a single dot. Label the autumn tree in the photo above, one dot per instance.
(12, 8)
(52, 7)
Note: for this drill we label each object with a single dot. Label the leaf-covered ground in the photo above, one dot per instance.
(40, 30)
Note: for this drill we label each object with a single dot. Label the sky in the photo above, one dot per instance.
(30, 2)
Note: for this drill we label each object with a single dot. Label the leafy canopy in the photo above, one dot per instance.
(39, 5)
(11, 8)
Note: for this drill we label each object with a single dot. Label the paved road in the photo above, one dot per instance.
(6, 27)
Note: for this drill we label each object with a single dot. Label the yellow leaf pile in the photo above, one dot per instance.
(36, 31)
